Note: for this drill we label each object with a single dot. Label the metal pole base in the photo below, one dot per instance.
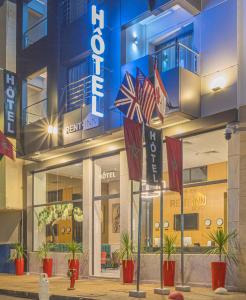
(137, 294)
(183, 288)
(163, 291)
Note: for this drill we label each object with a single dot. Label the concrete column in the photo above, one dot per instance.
(237, 204)
(87, 210)
(97, 222)
(125, 195)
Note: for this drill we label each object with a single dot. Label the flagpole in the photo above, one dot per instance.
(139, 235)
(161, 236)
(138, 293)
(182, 219)
(182, 236)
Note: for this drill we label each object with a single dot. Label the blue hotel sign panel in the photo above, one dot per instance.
(98, 49)
(10, 94)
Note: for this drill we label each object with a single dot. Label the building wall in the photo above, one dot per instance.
(11, 186)
(220, 37)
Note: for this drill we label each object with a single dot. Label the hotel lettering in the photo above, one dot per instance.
(10, 84)
(98, 49)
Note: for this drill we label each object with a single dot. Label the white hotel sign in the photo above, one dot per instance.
(98, 49)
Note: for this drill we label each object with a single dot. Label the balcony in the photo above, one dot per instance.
(35, 33)
(179, 69)
(177, 55)
(77, 93)
(35, 112)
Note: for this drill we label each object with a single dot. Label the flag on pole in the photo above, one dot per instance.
(175, 164)
(134, 148)
(146, 95)
(6, 147)
(127, 101)
(160, 95)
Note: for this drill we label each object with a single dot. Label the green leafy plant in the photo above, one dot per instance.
(169, 246)
(43, 250)
(225, 245)
(52, 214)
(18, 252)
(75, 248)
(126, 247)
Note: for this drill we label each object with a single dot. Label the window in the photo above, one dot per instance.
(34, 97)
(34, 21)
(205, 197)
(193, 175)
(74, 9)
(58, 206)
(78, 89)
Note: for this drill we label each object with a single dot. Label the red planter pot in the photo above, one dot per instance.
(47, 266)
(19, 266)
(128, 271)
(74, 264)
(218, 274)
(169, 273)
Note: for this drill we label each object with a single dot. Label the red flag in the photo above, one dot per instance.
(134, 148)
(175, 164)
(6, 148)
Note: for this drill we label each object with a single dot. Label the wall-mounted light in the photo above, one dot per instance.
(135, 41)
(52, 129)
(218, 84)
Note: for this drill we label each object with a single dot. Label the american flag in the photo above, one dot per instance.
(145, 95)
(127, 101)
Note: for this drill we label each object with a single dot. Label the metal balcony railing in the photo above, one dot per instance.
(177, 55)
(35, 112)
(35, 33)
(77, 93)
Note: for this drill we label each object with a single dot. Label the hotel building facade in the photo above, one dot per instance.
(71, 58)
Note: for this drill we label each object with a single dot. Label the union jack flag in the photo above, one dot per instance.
(146, 95)
(127, 101)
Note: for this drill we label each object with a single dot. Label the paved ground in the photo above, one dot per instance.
(10, 298)
(101, 289)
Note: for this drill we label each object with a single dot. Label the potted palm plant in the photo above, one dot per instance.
(73, 263)
(43, 253)
(169, 265)
(224, 247)
(18, 258)
(126, 256)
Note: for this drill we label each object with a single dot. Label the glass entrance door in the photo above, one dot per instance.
(106, 217)
(106, 237)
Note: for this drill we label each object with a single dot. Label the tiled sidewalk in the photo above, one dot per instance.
(99, 289)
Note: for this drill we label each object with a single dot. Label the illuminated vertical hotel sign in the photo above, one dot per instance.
(98, 49)
(10, 92)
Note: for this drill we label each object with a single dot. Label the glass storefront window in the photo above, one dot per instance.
(58, 206)
(205, 197)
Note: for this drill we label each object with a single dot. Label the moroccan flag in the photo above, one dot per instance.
(6, 148)
(134, 148)
(175, 164)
